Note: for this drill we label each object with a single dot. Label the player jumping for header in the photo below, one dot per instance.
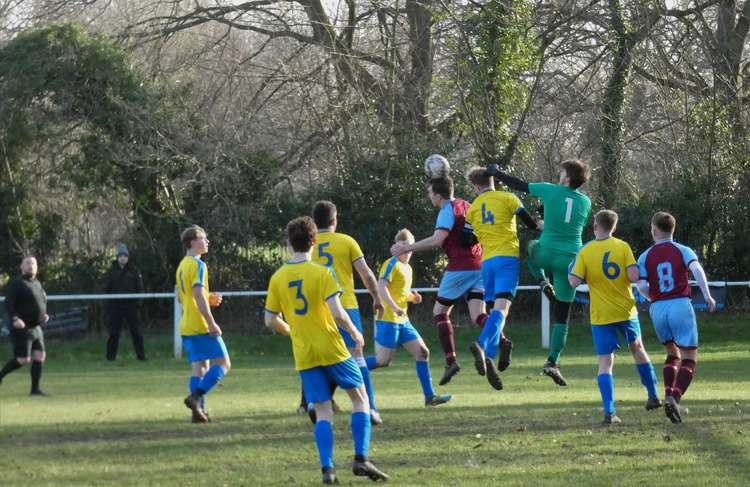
(566, 211)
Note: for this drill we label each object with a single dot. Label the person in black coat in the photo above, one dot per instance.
(26, 304)
(124, 278)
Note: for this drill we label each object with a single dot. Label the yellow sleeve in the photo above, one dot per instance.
(272, 299)
(388, 268)
(578, 266)
(355, 252)
(514, 203)
(330, 285)
(629, 257)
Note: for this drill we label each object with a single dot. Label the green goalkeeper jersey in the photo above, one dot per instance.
(565, 214)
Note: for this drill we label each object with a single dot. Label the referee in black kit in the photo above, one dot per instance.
(26, 305)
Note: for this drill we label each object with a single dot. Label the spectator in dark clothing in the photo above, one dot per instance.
(124, 278)
(26, 304)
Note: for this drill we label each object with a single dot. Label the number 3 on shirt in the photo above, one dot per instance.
(611, 270)
(300, 296)
(325, 255)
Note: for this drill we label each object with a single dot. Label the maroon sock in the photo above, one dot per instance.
(481, 319)
(684, 377)
(671, 365)
(445, 334)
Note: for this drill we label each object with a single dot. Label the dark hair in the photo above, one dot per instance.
(478, 176)
(301, 233)
(578, 172)
(190, 234)
(664, 222)
(324, 212)
(606, 219)
(442, 186)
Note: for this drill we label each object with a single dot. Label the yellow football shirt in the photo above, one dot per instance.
(191, 272)
(299, 291)
(493, 216)
(339, 252)
(603, 265)
(399, 276)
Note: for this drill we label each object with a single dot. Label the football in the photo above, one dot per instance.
(436, 166)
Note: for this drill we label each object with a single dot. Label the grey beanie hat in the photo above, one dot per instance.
(122, 249)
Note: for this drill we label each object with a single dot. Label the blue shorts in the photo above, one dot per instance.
(500, 275)
(458, 283)
(357, 320)
(606, 339)
(203, 347)
(391, 335)
(316, 382)
(674, 321)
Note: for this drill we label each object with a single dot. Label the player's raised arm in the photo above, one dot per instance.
(433, 241)
(512, 182)
(343, 320)
(700, 277)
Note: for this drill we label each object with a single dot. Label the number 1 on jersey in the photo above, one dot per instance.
(568, 209)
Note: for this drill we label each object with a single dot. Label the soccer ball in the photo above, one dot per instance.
(436, 166)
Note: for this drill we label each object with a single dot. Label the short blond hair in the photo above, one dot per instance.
(404, 235)
(191, 233)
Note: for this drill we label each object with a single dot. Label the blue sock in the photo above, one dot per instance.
(607, 390)
(423, 372)
(367, 379)
(491, 328)
(648, 378)
(372, 362)
(491, 350)
(361, 433)
(194, 383)
(212, 377)
(324, 441)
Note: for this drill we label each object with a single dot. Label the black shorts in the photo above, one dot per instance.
(25, 340)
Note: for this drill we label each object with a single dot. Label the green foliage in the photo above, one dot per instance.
(492, 69)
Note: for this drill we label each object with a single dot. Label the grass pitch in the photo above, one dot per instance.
(124, 423)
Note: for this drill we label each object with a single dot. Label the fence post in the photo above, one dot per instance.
(545, 320)
(176, 327)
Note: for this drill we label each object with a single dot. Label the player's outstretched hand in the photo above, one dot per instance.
(19, 323)
(45, 318)
(493, 170)
(540, 224)
(214, 330)
(215, 299)
(711, 302)
(416, 297)
(398, 249)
